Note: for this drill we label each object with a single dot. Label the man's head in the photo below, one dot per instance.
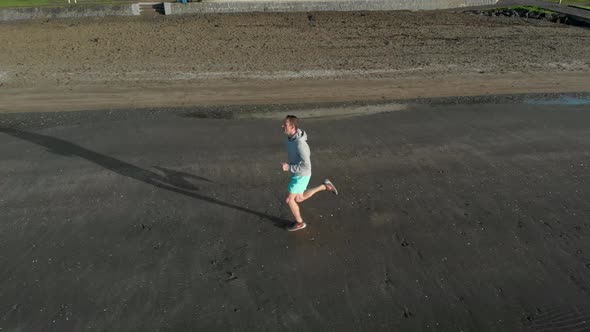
(290, 125)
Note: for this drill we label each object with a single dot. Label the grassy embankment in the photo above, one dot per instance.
(55, 3)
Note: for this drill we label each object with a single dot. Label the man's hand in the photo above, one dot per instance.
(285, 167)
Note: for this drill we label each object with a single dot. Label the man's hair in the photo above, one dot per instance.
(293, 120)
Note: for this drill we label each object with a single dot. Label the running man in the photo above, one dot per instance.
(300, 167)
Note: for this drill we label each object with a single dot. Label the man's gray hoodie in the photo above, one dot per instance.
(299, 154)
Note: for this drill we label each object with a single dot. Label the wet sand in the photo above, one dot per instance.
(451, 217)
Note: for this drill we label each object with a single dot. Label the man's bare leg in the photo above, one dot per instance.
(310, 192)
(327, 185)
(292, 202)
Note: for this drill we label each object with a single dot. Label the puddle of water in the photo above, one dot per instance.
(560, 100)
(328, 112)
(319, 112)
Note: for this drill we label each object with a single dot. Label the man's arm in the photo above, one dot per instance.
(304, 163)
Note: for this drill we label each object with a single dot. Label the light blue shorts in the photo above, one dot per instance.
(298, 184)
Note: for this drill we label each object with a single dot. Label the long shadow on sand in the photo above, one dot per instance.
(172, 180)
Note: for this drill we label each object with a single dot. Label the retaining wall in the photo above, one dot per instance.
(28, 13)
(236, 6)
(303, 6)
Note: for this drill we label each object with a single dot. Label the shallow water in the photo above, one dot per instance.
(559, 100)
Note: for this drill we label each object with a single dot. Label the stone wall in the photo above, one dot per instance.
(325, 5)
(236, 6)
(28, 13)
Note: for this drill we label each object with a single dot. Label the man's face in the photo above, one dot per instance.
(288, 128)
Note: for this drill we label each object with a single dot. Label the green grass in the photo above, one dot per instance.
(581, 7)
(23, 3)
(571, 2)
(532, 9)
(42, 3)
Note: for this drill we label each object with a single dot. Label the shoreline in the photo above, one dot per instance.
(170, 94)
